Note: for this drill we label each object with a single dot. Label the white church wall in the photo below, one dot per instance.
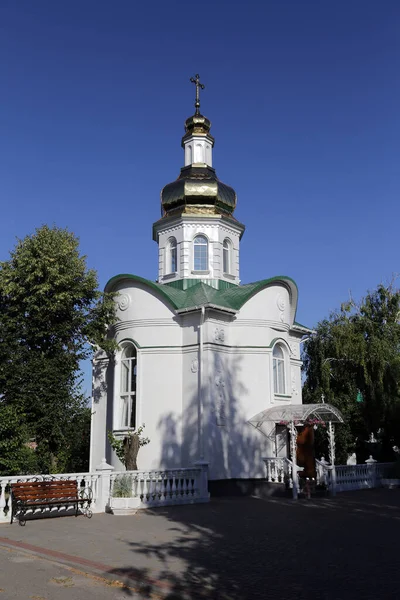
(145, 318)
(161, 408)
(190, 387)
(234, 382)
(158, 407)
(271, 304)
(295, 382)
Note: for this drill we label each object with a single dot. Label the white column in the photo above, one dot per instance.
(98, 425)
(293, 456)
(104, 485)
(371, 462)
(332, 446)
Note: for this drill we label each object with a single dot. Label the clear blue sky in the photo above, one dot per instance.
(304, 101)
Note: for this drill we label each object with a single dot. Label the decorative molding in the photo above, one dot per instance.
(219, 334)
(194, 367)
(280, 302)
(123, 301)
(122, 325)
(276, 325)
(220, 404)
(295, 391)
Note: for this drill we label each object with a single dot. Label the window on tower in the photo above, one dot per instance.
(278, 357)
(227, 256)
(128, 388)
(172, 256)
(200, 253)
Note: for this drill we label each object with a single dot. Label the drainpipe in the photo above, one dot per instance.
(200, 387)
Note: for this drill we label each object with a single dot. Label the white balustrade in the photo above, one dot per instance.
(348, 477)
(360, 477)
(162, 488)
(276, 469)
(84, 480)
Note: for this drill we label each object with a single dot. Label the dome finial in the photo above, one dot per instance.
(196, 81)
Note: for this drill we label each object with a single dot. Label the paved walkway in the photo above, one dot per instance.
(234, 548)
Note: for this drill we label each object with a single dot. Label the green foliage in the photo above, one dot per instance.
(51, 315)
(128, 447)
(15, 454)
(117, 445)
(355, 355)
(122, 486)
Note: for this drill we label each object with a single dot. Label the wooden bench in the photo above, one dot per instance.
(48, 492)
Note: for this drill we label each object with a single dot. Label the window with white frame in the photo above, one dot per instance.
(227, 256)
(172, 256)
(278, 358)
(128, 387)
(200, 253)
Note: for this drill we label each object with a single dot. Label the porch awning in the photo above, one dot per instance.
(286, 413)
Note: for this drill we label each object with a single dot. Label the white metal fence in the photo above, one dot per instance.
(337, 478)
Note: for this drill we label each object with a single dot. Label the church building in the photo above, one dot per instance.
(199, 354)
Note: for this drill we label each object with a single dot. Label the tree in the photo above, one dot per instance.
(50, 313)
(127, 448)
(354, 361)
(16, 455)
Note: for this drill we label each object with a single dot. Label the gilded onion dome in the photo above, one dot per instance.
(197, 189)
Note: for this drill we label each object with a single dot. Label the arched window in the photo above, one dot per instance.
(227, 256)
(189, 158)
(200, 253)
(172, 256)
(279, 370)
(128, 387)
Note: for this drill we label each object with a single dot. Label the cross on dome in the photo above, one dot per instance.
(196, 81)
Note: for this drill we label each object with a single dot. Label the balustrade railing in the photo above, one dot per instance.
(164, 487)
(338, 478)
(276, 468)
(360, 477)
(84, 480)
(151, 488)
(351, 477)
(282, 470)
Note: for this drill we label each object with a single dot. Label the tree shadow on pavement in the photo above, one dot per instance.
(250, 548)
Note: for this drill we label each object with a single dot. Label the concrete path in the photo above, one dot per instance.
(26, 575)
(233, 548)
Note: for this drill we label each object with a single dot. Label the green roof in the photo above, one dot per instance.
(228, 297)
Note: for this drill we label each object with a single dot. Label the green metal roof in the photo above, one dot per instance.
(197, 294)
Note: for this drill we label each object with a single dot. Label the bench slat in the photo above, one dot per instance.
(28, 498)
(33, 494)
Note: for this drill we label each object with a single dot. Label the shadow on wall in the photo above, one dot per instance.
(231, 446)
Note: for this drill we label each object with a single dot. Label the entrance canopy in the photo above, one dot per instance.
(297, 413)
